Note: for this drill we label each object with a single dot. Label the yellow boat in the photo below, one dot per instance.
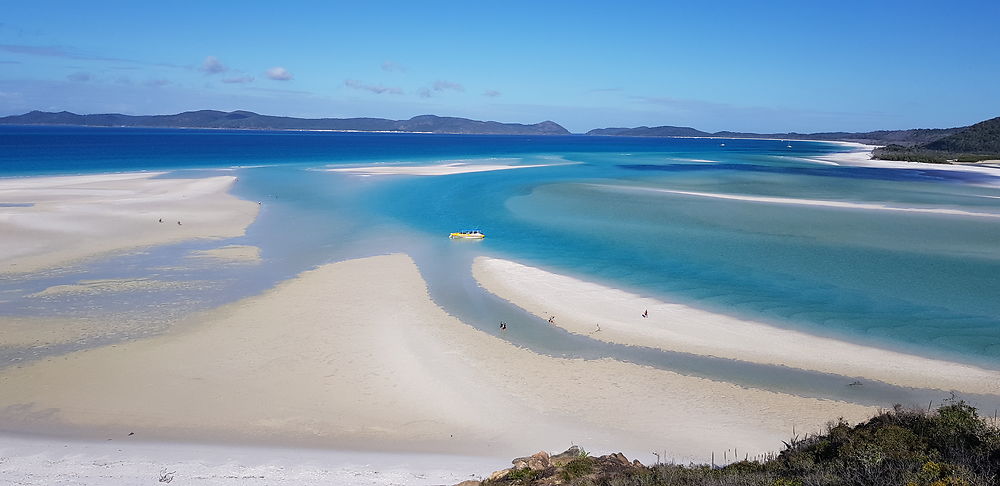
(467, 235)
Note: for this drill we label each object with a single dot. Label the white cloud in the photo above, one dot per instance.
(438, 87)
(491, 93)
(393, 67)
(278, 73)
(377, 89)
(212, 65)
(447, 85)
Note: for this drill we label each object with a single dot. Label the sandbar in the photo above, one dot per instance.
(230, 253)
(433, 169)
(342, 357)
(104, 286)
(38, 332)
(52, 221)
(807, 202)
(580, 307)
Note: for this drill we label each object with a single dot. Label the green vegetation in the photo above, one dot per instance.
(983, 137)
(917, 154)
(578, 468)
(978, 142)
(951, 446)
(522, 476)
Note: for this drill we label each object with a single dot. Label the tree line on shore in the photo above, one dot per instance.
(973, 144)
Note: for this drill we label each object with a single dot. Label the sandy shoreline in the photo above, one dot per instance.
(580, 307)
(51, 221)
(127, 461)
(321, 360)
(861, 156)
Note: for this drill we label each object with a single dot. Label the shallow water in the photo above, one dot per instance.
(915, 281)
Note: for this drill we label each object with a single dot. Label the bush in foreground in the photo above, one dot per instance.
(951, 446)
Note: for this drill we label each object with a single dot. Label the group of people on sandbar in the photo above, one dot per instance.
(552, 319)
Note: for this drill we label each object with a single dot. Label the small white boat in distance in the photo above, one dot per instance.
(467, 235)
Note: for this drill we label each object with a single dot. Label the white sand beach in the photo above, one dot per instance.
(861, 156)
(342, 358)
(432, 169)
(127, 461)
(580, 307)
(50, 221)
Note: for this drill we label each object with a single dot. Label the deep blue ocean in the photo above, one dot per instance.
(914, 281)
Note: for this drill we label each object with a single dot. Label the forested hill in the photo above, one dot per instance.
(250, 120)
(983, 137)
(975, 143)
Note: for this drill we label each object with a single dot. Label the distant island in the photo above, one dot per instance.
(247, 120)
(973, 143)
(904, 137)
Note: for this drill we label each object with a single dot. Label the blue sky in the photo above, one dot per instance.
(753, 66)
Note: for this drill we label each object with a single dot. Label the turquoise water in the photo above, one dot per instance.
(915, 281)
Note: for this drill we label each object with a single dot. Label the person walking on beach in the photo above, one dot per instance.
(645, 313)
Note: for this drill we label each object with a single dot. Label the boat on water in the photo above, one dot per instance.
(467, 235)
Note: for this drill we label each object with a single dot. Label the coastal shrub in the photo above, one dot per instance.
(787, 482)
(580, 466)
(521, 476)
(951, 446)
